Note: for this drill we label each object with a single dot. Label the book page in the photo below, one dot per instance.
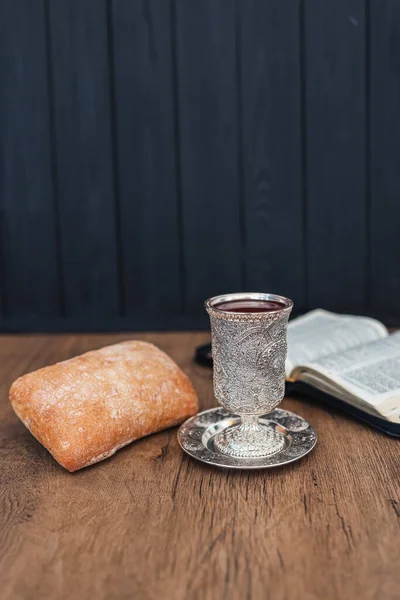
(316, 380)
(370, 372)
(322, 333)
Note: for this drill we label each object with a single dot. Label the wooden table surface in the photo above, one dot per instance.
(152, 523)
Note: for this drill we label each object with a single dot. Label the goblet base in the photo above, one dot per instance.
(250, 439)
(200, 437)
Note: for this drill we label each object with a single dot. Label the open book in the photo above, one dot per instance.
(351, 358)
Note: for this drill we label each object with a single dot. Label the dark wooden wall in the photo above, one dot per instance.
(156, 152)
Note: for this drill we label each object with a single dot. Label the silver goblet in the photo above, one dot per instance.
(249, 352)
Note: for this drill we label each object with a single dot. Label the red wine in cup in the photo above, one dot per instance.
(250, 306)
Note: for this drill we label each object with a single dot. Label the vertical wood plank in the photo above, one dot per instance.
(84, 156)
(146, 155)
(29, 285)
(385, 156)
(205, 51)
(336, 115)
(269, 41)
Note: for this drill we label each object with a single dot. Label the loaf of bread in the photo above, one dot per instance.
(85, 409)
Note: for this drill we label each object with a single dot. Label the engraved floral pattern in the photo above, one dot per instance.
(249, 362)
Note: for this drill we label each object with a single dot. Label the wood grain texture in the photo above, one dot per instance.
(208, 148)
(268, 44)
(145, 119)
(83, 156)
(385, 151)
(152, 523)
(335, 67)
(28, 246)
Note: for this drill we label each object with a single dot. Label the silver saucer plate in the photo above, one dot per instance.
(196, 437)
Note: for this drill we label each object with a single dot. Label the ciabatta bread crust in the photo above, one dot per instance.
(85, 409)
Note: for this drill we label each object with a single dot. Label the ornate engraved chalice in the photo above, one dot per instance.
(249, 347)
(249, 352)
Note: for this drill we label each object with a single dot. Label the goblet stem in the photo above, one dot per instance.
(249, 420)
(249, 428)
(250, 438)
